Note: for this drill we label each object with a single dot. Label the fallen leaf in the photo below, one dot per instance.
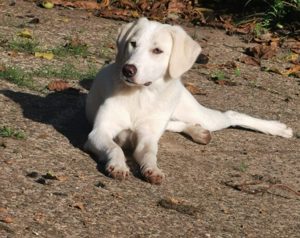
(88, 5)
(7, 219)
(79, 205)
(47, 4)
(266, 37)
(250, 60)
(230, 65)
(135, 14)
(127, 4)
(292, 70)
(293, 45)
(263, 51)
(45, 55)
(58, 85)
(193, 89)
(178, 205)
(13, 53)
(175, 6)
(61, 178)
(293, 58)
(2, 209)
(143, 5)
(25, 33)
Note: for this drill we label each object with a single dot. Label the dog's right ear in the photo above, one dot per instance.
(124, 34)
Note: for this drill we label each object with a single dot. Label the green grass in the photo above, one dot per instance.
(218, 75)
(23, 45)
(67, 71)
(9, 132)
(17, 76)
(70, 50)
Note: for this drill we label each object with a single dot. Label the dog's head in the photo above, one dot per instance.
(149, 50)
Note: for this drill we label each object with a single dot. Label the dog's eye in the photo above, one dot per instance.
(157, 51)
(133, 44)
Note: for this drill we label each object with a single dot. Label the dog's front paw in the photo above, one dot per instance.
(153, 175)
(118, 171)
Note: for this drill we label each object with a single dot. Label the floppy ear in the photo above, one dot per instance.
(184, 52)
(124, 34)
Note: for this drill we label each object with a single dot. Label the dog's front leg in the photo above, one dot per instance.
(145, 154)
(101, 143)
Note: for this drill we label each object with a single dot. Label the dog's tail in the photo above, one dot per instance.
(189, 110)
(266, 126)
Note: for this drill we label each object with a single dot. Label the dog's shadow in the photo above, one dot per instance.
(65, 111)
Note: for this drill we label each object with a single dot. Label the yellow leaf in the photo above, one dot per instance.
(293, 57)
(47, 5)
(46, 55)
(135, 14)
(25, 33)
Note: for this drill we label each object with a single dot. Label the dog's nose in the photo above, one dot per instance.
(129, 70)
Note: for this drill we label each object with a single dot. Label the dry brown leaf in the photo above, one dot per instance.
(156, 5)
(230, 65)
(127, 4)
(246, 28)
(2, 209)
(294, 69)
(79, 205)
(250, 61)
(58, 85)
(7, 219)
(175, 6)
(88, 5)
(144, 5)
(61, 178)
(293, 45)
(193, 89)
(263, 51)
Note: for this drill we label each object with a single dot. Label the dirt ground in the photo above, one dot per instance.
(243, 184)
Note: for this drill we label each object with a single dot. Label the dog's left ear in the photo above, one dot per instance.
(184, 52)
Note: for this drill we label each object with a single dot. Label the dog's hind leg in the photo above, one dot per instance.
(190, 111)
(195, 131)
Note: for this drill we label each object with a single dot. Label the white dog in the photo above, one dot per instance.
(140, 96)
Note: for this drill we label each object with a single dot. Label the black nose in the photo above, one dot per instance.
(129, 70)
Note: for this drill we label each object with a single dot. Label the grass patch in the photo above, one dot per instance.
(67, 71)
(218, 75)
(23, 45)
(71, 50)
(17, 76)
(9, 132)
(73, 47)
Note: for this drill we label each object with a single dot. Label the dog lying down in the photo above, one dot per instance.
(134, 100)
